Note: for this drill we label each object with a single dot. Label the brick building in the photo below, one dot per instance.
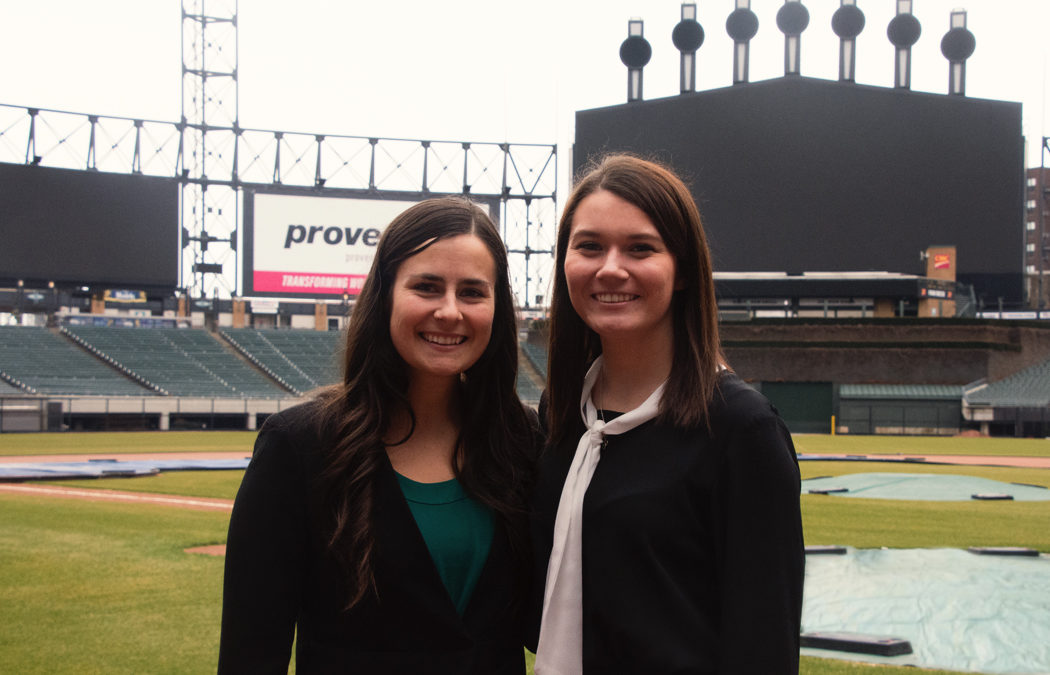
(1037, 239)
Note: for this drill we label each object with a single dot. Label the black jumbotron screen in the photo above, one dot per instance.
(798, 174)
(88, 227)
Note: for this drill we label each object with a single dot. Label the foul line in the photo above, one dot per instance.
(108, 495)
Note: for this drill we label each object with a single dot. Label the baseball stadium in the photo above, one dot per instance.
(165, 286)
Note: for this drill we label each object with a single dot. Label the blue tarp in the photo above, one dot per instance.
(103, 468)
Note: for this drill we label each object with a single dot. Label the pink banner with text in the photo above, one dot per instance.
(308, 282)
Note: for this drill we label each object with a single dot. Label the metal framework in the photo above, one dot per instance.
(213, 157)
(209, 124)
(522, 176)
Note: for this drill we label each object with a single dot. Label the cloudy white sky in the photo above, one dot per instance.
(477, 70)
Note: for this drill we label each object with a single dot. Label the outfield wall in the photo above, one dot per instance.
(99, 413)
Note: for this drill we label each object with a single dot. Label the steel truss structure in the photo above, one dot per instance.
(522, 176)
(214, 159)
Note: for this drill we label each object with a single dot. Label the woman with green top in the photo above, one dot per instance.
(383, 524)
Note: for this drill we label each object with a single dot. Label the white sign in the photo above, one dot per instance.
(260, 306)
(316, 245)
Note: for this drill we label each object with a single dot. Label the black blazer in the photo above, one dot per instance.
(281, 582)
(692, 544)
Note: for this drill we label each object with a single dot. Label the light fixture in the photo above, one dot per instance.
(635, 52)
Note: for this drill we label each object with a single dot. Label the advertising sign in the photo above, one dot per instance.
(312, 246)
(123, 295)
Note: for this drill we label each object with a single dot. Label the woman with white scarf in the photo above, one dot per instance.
(666, 522)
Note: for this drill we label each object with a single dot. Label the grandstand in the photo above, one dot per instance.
(81, 375)
(176, 362)
(301, 360)
(33, 360)
(7, 389)
(1029, 387)
(1020, 401)
(537, 357)
(877, 376)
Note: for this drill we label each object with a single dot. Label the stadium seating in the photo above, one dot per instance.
(305, 360)
(1027, 388)
(302, 360)
(530, 376)
(128, 361)
(9, 389)
(537, 357)
(178, 361)
(528, 392)
(45, 363)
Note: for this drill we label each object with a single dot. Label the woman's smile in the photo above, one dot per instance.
(614, 298)
(443, 339)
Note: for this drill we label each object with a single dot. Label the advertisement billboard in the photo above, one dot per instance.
(301, 244)
(304, 245)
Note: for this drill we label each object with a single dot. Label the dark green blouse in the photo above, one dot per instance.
(457, 530)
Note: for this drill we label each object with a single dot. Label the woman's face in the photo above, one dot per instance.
(442, 306)
(620, 274)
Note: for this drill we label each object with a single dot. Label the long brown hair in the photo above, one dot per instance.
(697, 356)
(492, 457)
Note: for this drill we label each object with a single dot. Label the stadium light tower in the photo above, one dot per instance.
(904, 31)
(742, 25)
(635, 52)
(209, 148)
(957, 46)
(847, 22)
(687, 36)
(792, 19)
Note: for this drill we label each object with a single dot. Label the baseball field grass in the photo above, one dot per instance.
(97, 587)
(94, 587)
(922, 445)
(124, 442)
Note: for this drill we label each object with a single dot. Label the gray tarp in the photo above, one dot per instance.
(44, 470)
(959, 610)
(922, 487)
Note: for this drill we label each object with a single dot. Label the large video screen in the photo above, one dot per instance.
(88, 228)
(803, 175)
(302, 244)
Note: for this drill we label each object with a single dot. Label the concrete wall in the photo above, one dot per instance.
(883, 351)
(879, 351)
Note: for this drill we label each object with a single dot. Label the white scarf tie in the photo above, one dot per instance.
(560, 649)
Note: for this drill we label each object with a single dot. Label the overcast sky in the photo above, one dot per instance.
(477, 70)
